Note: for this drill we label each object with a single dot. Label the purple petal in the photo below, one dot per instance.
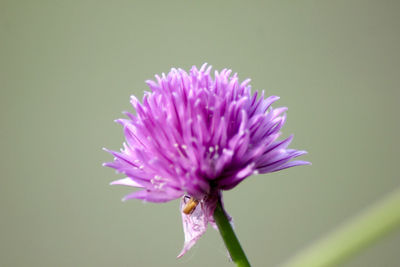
(126, 181)
(153, 196)
(292, 164)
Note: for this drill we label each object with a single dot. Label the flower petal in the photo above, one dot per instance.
(292, 164)
(126, 181)
(156, 196)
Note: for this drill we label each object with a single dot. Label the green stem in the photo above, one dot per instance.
(366, 228)
(228, 235)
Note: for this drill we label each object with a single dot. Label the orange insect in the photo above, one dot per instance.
(190, 205)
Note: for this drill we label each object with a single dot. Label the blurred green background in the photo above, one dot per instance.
(67, 69)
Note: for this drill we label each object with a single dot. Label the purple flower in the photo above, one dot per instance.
(194, 136)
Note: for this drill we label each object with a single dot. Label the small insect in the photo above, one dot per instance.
(190, 205)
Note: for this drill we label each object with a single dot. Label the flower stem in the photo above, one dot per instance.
(366, 228)
(228, 235)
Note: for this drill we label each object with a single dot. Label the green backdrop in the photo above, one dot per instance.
(67, 69)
